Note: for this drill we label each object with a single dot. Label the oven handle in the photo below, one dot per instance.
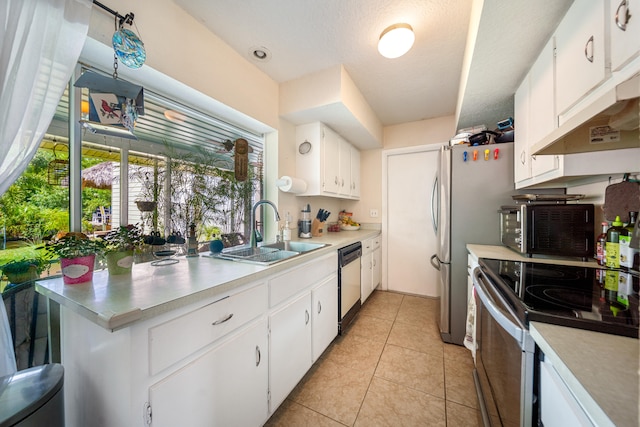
(496, 313)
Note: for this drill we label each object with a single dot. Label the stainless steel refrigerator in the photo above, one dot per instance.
(471, 185)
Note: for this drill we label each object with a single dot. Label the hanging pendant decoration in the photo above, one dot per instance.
(241, 159)
(128, 47)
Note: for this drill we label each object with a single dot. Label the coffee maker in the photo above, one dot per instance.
(304, 223)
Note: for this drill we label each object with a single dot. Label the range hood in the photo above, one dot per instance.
(613, 107)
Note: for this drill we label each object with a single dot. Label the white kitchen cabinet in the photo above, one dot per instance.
(558, 406)
(625, 31)
(366, 269)
(331, 167)
(371, 273)
(324, 315)
(354, 190)
(227, 386)
(522, 158)
(289, 346)
(580, 52)
(303, 321)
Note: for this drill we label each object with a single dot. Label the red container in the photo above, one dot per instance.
(77, 270)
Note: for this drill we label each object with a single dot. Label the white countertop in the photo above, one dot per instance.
(601, 370)
(114, 302)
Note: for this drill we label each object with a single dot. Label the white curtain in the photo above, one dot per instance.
(40, 44)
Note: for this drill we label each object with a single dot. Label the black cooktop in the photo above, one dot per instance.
(598, 299)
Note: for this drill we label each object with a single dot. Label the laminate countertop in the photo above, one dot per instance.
(117, 301)
(601, 370)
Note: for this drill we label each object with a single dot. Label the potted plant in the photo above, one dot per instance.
(77, 254)
(119, 246)
(25, 269)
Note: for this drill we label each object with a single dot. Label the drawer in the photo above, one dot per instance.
(376, 241)
(288, 284)
(176, 339)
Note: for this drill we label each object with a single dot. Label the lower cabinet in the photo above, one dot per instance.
(226, 386)
(371, 273)
(324, 316)
(289, 347)
(558, 406)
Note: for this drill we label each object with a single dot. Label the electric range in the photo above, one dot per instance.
(597, 299)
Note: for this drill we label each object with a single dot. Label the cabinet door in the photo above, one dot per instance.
(625, 32)
(366, 274)
(289, 347)
(580, 49)
(521, 161)
(376, 274)
(355, 172)
(227, 386)
(331, 161)
(542, 116)
(324, 315)
(345, 168)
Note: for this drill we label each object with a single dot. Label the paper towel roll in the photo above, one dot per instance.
(291, 185)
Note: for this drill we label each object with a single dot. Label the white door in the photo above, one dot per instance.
(408, 178)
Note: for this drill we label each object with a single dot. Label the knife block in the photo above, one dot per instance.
(317, 228)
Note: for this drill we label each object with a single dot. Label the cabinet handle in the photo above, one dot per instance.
(336, 180)
(522, 157)
(306, 317)
(588, 55)
(342, 183)
(626, 15)
(258, 356)
(374, 262)
(217, 322)
(319, 307)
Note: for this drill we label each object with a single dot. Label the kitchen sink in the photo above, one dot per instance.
(268, 254)
(300, 247)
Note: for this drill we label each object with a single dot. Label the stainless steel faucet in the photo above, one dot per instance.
(253, 241)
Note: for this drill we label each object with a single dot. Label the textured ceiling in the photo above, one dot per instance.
(312, 35)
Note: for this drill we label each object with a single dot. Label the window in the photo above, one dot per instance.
(181, 165)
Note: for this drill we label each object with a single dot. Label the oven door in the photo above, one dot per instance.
(504, 359)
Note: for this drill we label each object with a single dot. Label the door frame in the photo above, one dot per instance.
(384, 285)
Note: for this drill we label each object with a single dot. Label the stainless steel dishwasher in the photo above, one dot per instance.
(348, 284)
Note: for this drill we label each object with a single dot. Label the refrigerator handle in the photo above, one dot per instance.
(434, 209)
(436, 264)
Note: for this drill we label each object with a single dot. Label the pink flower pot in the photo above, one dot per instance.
(77, 270)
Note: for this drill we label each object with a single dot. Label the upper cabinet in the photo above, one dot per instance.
(625, 31)
(570, 70)
(580, 52)
(328, 163)
(596, 80)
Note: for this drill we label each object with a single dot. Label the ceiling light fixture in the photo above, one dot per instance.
(260, 53)
(396, 40)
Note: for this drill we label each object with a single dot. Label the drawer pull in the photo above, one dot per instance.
(258, 356)
(217, 322)
(306, 317)
(319, 307)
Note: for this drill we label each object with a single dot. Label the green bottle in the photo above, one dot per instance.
(613, 242)
(627, 253)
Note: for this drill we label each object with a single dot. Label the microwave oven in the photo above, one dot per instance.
(549, 229)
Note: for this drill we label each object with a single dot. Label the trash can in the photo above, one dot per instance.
(33, 397)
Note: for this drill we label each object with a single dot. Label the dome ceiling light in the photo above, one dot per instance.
(396, 40)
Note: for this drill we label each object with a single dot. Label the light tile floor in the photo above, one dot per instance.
(390, 368)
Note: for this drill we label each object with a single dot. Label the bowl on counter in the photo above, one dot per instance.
(349, 227)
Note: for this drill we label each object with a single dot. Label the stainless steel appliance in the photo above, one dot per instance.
(549, 229)
(468, 190)
(509, 295)
(348, 284)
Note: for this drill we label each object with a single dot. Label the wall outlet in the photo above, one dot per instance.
(373, 213)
